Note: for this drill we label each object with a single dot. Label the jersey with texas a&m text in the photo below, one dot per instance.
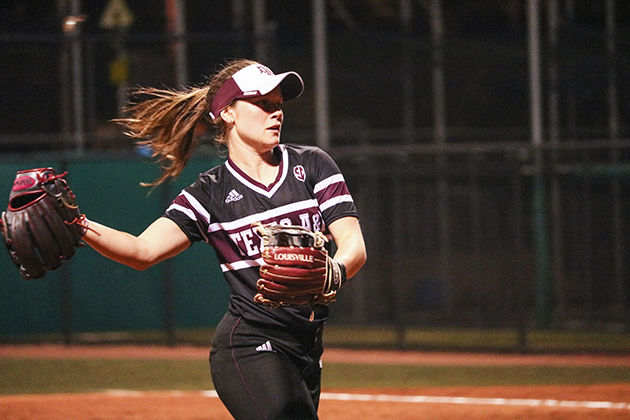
(224, 202)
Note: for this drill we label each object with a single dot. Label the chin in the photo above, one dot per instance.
(268, 146)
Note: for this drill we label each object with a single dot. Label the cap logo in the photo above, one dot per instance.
(265, 70)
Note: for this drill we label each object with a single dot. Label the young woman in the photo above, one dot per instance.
(265, 363)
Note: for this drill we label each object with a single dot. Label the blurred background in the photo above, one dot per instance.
(486, 144)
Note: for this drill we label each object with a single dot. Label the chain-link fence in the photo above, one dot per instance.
(470, 220)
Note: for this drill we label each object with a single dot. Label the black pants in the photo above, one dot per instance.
(263, 373)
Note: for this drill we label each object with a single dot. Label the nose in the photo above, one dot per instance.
(278, 114)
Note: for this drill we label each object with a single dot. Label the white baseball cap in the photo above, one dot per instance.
(255, 80)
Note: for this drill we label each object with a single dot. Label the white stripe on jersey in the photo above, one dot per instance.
(270, 193)
(268, 214)
(333, 179)
(334, 201)
(188, 212)
(197, 206)
(239, 265)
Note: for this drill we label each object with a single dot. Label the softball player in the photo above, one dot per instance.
(265, 363)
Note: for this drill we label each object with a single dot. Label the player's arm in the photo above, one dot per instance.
(161, 240)
(351, 250)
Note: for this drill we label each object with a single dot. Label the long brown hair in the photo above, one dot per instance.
(166, 121)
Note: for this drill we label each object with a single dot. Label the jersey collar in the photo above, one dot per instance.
(267, 191)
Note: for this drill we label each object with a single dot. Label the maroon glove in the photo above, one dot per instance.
(42, 224)
(297, 269)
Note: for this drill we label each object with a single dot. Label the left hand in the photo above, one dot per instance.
(297, 269)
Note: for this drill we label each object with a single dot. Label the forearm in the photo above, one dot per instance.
(352, 255)
(159, 241)
(351, 250)
(116, 245)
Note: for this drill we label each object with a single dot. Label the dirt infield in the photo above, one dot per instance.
(330, 355)
(196, 405)
(611, 401)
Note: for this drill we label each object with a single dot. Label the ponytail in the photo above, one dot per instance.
(166, 121)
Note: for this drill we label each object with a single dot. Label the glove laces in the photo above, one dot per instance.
(83, 222)
(47, 176)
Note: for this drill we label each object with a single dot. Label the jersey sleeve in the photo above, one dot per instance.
(189, 213)
(330, 189)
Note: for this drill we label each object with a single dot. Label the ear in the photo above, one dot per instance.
(227, 115)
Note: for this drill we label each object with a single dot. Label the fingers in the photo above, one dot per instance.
(298, 275)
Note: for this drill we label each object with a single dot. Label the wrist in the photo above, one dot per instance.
(83, 224)
(335, 276)
(342, 269)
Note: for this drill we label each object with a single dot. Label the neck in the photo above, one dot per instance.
(261, 166)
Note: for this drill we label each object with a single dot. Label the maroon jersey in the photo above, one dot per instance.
(221, 206)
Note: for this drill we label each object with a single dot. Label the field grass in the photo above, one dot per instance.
(398, 376)
(33, 376)
(20, 376)
(28, 376)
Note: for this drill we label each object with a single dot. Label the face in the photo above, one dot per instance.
(257, 122)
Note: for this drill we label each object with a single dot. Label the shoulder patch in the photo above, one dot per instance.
(299, 172)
